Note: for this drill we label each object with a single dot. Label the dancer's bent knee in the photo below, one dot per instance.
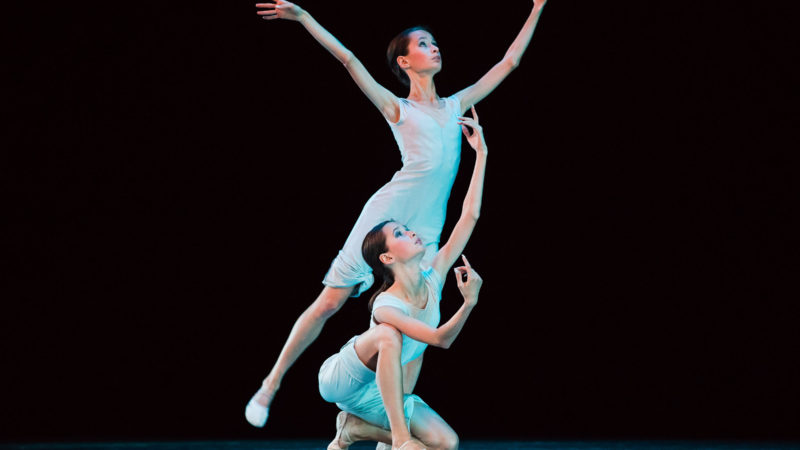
(330, 300)
(388, 337)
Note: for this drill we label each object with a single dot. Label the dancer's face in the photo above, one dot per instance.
(402, 244)
(423, 53)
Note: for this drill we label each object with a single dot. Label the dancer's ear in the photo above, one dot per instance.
(402, 61)
(386, 258)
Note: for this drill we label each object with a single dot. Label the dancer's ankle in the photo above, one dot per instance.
(400, 439)
(353, 428)
(270, 384)
(267, 391)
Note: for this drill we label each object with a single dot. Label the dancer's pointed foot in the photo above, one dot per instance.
(257, 410)
(342, 440)
(412, 444)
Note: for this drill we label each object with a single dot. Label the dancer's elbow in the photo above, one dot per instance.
(442, 342)
(347, 58)
(472, 215)
(511, 62)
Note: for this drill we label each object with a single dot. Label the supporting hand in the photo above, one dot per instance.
(475, 138)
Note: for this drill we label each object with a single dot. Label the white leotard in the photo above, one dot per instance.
(430, 314)
(429, 139)
(345, 380)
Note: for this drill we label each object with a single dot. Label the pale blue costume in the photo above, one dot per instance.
(429, 139)
(346, 381)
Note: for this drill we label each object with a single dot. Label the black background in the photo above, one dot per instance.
(180, 175)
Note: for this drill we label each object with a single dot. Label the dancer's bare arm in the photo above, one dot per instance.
(381, 97)
(444, 335)
(471, 209)
(487, 83)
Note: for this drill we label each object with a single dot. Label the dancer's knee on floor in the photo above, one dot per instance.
(449, 440)
(427, 426)
(442, 439)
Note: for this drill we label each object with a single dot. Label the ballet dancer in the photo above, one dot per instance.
(364, 377)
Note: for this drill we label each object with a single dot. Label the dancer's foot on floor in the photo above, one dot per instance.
(343, 438)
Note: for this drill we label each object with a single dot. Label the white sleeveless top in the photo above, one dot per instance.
(430, 315)
(429, 139)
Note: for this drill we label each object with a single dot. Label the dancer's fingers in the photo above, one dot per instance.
(469, 121)
(267, 13)
(467, 127)
(466, 263)
(265, 5)
(459, 276)
(474, 113)
(273, 17)
(467, 274)
(466, 119)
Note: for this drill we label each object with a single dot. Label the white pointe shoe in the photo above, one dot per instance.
(255, 413)
(342, 439)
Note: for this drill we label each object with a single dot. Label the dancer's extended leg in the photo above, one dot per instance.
(306, 329)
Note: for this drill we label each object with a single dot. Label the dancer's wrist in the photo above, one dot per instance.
(303, 16)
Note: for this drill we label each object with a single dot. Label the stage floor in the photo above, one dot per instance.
(466, 445)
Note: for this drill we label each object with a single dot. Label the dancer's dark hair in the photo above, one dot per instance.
(399, 47)
(371, 249)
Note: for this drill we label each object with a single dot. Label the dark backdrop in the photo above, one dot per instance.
(179, 176)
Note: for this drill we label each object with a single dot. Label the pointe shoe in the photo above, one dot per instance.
(342, 439)
(255, 413)
(383, 446)
(412, 444)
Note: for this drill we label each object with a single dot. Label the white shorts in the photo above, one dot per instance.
(346, 381)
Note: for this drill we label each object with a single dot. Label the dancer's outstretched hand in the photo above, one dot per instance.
(279, 10)
(475, 138)
(470, 286)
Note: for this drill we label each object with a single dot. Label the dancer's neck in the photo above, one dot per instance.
(409, 284)
(422, 89)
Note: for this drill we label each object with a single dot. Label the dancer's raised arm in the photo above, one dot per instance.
(381, 97)
(487, 83)
(471, 209)
(445, 334)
